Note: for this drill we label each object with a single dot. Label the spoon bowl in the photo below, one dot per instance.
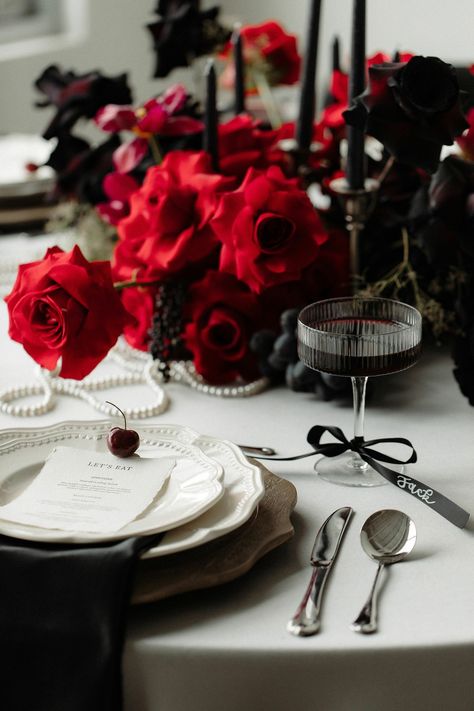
(387, 537)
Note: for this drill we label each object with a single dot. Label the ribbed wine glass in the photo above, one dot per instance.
(357, 337)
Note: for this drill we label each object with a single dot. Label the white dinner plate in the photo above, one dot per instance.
(242, 481)
(194, 486)
(17, 150)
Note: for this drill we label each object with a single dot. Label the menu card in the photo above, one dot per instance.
(94, 492)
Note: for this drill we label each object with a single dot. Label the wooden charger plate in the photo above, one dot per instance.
(225, 558)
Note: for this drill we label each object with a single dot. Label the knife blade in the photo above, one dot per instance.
(306, 620)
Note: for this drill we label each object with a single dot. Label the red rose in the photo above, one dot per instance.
(66, 307)
(242, 144)
(267, 48)
(168, 229)
(141, 303)
(222, 314)
(269, 230)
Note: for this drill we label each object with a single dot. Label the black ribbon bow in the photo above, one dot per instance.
(359, 445)
(365, 449)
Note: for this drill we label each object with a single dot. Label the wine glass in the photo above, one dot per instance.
(358, 337)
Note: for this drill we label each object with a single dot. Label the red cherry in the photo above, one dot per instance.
(121, 441)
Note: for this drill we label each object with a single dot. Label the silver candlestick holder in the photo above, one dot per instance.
(358, 206)
(299, 158)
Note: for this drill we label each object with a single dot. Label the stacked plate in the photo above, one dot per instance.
(24, 189)
(213, 488)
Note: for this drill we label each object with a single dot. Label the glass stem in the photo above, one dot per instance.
(359, 385)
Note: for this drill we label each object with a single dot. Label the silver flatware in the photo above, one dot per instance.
(306, 620)
(247, 449)
(387, 537)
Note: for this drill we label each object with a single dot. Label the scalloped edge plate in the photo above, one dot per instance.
(242, 480)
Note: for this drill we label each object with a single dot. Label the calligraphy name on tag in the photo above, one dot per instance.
(95, 492)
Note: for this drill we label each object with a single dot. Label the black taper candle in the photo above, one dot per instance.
(336, 62)
(307, 109)
(355, 136)
(239, 69)
(210, 140)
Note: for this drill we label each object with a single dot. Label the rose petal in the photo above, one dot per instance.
(128, 155)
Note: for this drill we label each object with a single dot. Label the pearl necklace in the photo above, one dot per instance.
(139, 368)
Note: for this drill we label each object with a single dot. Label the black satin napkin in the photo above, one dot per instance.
(63, 612)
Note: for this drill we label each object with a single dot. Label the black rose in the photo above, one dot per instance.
(78, 95)
(80, 169)
(413, 108)
(183, 32)
(442, 214)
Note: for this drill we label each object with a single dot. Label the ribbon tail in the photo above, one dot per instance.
(432, 498)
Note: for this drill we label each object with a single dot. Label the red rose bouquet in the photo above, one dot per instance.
(216, 250)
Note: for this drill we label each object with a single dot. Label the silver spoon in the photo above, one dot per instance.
(387, 536)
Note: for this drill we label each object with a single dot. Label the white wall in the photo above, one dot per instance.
(117, 41)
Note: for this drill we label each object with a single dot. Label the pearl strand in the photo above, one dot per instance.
(139, 369)
(185, 372)
(51, 384)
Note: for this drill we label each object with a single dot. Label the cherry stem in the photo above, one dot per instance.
(121, 411)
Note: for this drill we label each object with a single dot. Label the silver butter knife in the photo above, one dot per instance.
(306, 620)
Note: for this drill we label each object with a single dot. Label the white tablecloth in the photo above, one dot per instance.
(227, 649)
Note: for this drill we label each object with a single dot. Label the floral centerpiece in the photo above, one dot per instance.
(215, 254)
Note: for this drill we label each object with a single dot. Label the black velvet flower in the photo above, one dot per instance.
(81, 169)
(183, 32)
(442, 214)
(78, 95)
(413, 108)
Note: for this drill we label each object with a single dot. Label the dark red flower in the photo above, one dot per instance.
(413, 108)
(115, 118)
(119, 188)
(168, 228)
(78, 95)
(130, 154)
(466, 140)
(81, 169)
(332, 115)
(269, 230)
(64, 307)
(222, 315)
(183, 32)
(163, 117)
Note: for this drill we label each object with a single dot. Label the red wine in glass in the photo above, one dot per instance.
(366, 350)
(358, 337)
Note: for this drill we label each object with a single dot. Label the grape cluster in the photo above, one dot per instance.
(278, 361)
(167, 326)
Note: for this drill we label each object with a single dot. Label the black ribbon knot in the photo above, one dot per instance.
(359, 445)
(377, 460)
